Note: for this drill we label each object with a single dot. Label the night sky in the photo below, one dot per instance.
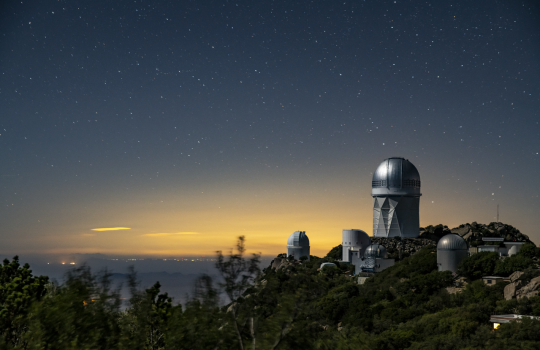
(189, 123)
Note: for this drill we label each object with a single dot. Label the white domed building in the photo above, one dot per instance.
(375, 251)
(298, 245)
(354, 242)
(451, 250)
(396, 199)
(374, 259)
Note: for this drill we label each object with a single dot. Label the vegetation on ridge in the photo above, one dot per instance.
(288, 305)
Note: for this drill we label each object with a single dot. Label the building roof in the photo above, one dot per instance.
(492, 239)
(328, 264)
(452, 242)
(298, 239)
(375, 251)
(508, 318)
(398, 175)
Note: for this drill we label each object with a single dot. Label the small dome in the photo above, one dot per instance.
(452, 242)
(298, 239)
(375, 251)
(329, 264)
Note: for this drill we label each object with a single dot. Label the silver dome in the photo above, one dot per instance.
(452, 242)
(329, 264)
(396, 176)
(375, 251)
(298, 239)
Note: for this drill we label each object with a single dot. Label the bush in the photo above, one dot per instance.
(528, 250)
(478, 265)
(512, 264)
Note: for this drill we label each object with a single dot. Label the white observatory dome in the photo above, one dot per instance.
(375, 251)
(396, 176)
(354, 240)
(298, 239)
(451, 250)
(452, 242)
(298, 245)
(395, 189)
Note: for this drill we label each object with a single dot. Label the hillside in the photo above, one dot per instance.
(290, 304)
(430, 235)
(407, 306)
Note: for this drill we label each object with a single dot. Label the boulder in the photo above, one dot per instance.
(513, 277)
(453, 290)
(280, 263)
(529, 289)
(510, 291)
(462, 231)
(276, 262)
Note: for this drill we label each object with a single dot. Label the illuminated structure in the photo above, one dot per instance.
(396, 199)
(354, 242)
(298, 245)
(451, 250)
(373, 259)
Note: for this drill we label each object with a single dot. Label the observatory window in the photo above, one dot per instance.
(381, 183)
(411, 183)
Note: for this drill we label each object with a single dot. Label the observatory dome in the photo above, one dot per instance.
(451, 250)
(356, 240)
(452, 242)
(298, 239)
(298, 245)
(375, 251)
(396, 176)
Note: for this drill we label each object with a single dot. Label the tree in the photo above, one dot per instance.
(238, 274)
(18, 290)
(83, 313)
(511, 264)
(146, 321)
(528, 250)
(335, 253)
(478, 265)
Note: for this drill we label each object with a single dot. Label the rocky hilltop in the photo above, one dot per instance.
(408, 246)
(473, 233)
(430, 235)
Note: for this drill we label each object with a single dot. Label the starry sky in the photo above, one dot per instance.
(184, 124)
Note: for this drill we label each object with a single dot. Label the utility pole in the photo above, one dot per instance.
(497, 213)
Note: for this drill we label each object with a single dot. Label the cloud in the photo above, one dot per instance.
(88, 234)
(170, 234)
(111, 228)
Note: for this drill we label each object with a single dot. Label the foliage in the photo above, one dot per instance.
(406, 306)
(529, 250)
(83, 313)
(18, 290)
(478, 265)
(518, 262)
(335, 253)
(145, 322)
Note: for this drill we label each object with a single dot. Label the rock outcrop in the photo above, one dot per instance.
(407, 245)
(530, 290)
(474, 232)
(518, 289)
